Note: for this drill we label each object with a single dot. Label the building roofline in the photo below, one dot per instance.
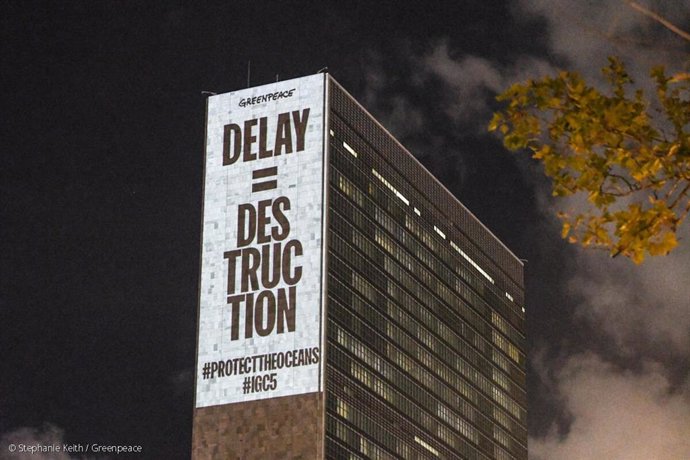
(426, 170)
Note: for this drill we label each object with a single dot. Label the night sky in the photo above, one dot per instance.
(100, 191)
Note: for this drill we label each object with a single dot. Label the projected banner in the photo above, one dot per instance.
(260, 306)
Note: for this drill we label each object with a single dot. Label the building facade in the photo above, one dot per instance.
(350, 306)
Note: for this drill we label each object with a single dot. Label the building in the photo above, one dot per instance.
(350, 306)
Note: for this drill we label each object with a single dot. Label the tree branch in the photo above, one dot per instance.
(680, 196)
(631, 187)
(660, 20)
(682, 216)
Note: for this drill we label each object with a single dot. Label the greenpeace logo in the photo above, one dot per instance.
(244, 102)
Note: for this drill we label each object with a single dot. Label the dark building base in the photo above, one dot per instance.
(280, 428)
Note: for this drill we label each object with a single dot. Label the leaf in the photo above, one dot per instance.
(631, 163)
(680, 76)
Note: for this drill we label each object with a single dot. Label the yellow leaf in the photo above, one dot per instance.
(542, 152)
(667, 243)
(638, 256)
(680, 76)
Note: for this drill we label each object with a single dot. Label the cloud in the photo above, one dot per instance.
(642, 308)
(398, 114)
(26, 438)
(581, 35)
(585, 33)
(474, 81)
(28, 443)
(468, 73)
(617, 415)
(403, 118)
(183, 381)
(469, 78)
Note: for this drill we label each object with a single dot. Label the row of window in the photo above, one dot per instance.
(413, 326)
(337, 450)
(421, 395)
(352, 439)
(404, 278)
(436, 377)
(372, 425)
(344, 227)
(441, 289)
(402, 214)
(380, 150)
(428, 257)
(448, 354)
(354, 192)
(507, 347)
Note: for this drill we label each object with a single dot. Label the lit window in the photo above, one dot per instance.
(342, 409)
(390, 186)
(426, 445)
(350, 149)
(499, 322)
(500, 378)
(472, 262)
(443, 235)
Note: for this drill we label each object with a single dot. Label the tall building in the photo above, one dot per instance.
(350, 306)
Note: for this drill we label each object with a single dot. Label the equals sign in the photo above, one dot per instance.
(264, 179)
